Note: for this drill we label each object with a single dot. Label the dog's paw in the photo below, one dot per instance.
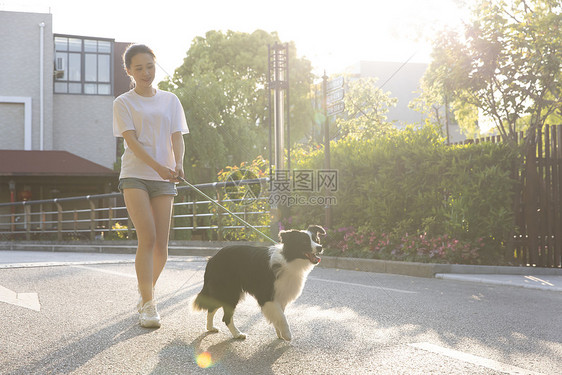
(212, 329)
(284, 334)
(240, 336)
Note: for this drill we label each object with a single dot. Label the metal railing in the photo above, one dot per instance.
(104, 216)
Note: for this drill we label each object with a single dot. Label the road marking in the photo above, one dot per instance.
(27, 300)
(176, 259)
(476, 360)
(106, 271)
(541, 281)
(61, 264)
(363, 285)
(519, 281)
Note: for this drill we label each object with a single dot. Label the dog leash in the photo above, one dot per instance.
(248, 225)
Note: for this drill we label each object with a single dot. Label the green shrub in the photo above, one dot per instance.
(244, 201)
(364, 242)
(410, 182)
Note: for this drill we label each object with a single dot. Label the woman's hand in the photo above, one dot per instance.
(179, 172)
(166, 173)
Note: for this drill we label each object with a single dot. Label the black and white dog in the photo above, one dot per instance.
(274, 275)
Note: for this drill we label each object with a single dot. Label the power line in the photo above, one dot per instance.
(397, 70)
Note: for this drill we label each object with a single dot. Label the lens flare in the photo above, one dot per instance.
(204, 360)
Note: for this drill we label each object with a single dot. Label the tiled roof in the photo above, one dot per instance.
(48, 163)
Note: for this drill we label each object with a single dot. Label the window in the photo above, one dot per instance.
(83, 65)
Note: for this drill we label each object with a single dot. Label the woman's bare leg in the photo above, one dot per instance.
(140, 210)
(162, 212)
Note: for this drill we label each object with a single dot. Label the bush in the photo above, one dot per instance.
(243, 200)
(457, 198)
(364, 242)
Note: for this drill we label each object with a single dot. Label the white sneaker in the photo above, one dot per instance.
(149, 317)
(139, 303)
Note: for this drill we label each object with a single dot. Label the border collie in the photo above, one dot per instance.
(275, 276)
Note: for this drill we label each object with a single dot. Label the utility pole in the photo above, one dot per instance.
(333, 92)
(328, 208)
(447, 118)
(278, 82)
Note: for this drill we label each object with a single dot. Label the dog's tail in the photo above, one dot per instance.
(205, 302)
(198, 303)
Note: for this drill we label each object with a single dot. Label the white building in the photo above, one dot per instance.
(56, 94)
(402, 80)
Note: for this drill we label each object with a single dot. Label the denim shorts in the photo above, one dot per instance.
(153, 188)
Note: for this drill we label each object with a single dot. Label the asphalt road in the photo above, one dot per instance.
(82, 320)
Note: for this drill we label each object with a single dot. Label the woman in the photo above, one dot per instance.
(152, 123)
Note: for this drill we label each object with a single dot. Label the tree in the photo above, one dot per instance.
(222, 85)
(507, 65)
(430, 102)
(366, 108)
(435, 103)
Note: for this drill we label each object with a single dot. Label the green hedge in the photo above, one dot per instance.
(409, 187)
(246, 204)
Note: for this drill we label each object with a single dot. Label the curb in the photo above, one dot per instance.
(383, 266)
(429, 269)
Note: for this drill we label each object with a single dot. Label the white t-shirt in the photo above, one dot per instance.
(154, 119)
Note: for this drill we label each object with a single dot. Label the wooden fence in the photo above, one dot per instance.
(537, 238)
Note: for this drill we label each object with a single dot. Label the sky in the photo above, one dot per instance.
(333, 35)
